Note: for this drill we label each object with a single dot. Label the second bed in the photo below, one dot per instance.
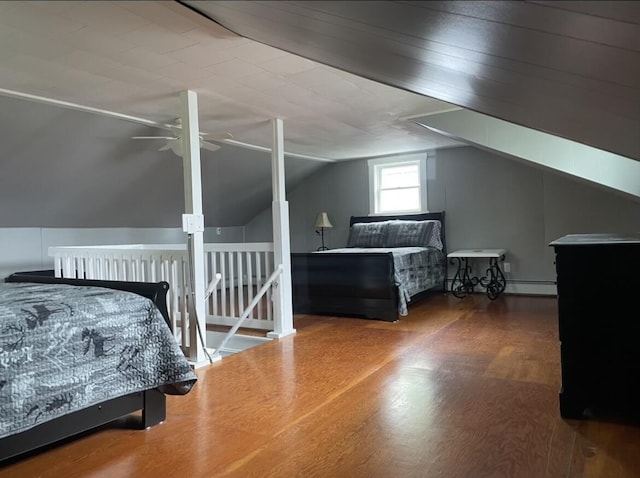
(390, 262)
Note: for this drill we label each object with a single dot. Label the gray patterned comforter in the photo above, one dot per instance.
(416, 269)
(64, 348)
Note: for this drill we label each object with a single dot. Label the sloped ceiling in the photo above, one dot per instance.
(135, 57)
(67, 168)
(569, 68)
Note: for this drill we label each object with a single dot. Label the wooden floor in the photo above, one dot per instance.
(460, 388)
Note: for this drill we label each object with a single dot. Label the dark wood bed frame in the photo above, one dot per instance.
(354, 285)
(151, 402)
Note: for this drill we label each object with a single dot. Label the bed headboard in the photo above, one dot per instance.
(434, 216)
(156, 291)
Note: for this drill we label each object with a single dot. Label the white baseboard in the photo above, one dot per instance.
(524, 287)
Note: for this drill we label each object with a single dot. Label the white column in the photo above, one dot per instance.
(193, 207)
(282, 299)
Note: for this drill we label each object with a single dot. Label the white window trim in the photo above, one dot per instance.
(420, 158)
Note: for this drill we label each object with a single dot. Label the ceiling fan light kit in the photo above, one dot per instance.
(174, 143)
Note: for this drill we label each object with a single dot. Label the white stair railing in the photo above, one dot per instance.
(255, 301)
(244, 269)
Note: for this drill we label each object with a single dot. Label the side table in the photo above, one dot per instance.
(463, 283)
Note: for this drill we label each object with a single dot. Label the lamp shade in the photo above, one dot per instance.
(322, 220)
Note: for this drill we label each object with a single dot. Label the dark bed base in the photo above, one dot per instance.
(354, 285)
(359, 285)
(151, 402)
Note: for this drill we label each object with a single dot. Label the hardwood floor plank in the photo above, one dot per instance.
(458, 388)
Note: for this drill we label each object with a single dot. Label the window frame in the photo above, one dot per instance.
(378, 164)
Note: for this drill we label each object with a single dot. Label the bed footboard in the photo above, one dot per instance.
(356, 285)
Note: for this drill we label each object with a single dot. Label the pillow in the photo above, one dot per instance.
(435, 238)
(414, 233)
(368, 234)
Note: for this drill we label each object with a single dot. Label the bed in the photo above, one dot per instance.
(76, 354)
(389, 263)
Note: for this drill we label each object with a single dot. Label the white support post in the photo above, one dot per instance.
(193, 207)
(282, 297)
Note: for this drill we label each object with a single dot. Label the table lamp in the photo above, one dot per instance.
(322, 221)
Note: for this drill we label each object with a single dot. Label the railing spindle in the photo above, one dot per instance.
(248, 261)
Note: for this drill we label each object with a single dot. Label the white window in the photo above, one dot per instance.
(398, 184)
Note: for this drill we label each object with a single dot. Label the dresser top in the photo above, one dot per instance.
(591, 239)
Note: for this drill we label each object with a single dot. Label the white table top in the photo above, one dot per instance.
(478, 253)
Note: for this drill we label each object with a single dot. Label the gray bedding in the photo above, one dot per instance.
(64, 348)
(416, 269)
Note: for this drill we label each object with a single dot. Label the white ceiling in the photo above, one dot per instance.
(135, 57)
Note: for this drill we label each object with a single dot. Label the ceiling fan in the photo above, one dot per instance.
(174, 143)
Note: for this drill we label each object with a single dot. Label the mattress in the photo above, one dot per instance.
(64, 348)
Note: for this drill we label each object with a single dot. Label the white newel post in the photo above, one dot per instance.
(193, 223)
(282, 298)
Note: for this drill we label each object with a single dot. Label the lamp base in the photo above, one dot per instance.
(322, 247)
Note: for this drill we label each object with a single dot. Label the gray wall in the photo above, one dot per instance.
(490, 201)
(341, 189)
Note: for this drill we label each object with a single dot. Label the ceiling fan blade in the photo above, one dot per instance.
(153, 137)
(217, 137)
(209, 146)
(165, 147)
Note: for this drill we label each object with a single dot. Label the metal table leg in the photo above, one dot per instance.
(462, 283)
(494, 282)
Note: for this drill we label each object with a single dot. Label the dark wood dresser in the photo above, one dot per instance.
(599, 325)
